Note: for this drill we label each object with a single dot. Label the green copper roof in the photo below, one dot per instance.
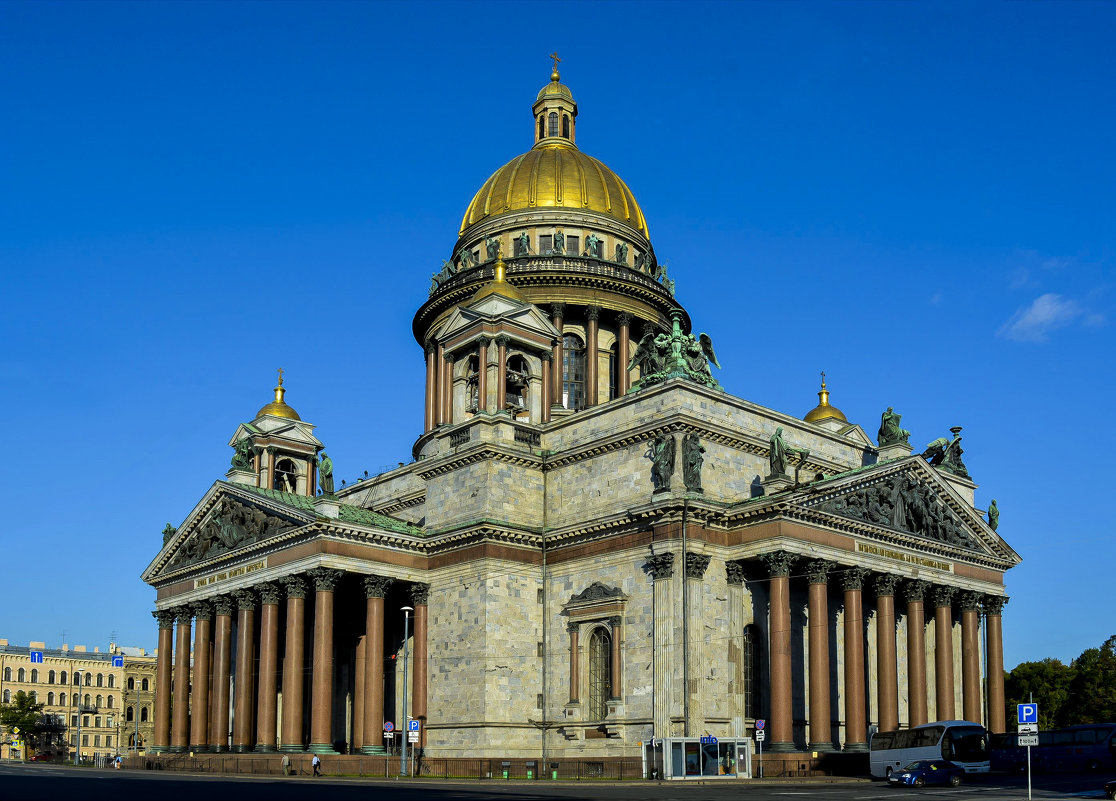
(346, 512)
(301, 502)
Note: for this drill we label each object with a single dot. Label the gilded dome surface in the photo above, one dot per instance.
(279, 407)
(555, 176)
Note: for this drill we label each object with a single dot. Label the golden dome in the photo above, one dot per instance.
(279, 407)
(823, 410)
(498, 285)
(554, 88)
(559, 176)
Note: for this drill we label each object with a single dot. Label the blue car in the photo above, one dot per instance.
(927, 771)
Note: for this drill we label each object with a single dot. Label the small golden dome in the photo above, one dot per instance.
(823, 410)
(555, 175)
(279, 407)
(498, 285)
(554, 88)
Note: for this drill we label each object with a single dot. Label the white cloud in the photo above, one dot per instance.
(1047, 313)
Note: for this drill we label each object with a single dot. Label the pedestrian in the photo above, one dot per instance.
(317, 763)
(286, 762)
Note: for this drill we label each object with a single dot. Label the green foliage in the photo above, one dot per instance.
(23, 714)
(1082, 692)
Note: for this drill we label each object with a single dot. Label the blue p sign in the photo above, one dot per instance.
(1028, 713)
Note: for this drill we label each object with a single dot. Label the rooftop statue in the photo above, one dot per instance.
(777, 453)
(559, 242)
(993, 515)
(325, 474)
(168, 532)
(890, 433)
(593, 246)
(243, 455)
(524, 244)
(946, 453)
(674, 355)
(621, 253)
(492, 246)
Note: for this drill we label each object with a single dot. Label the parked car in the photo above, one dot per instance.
(927, 771)
(1110, 790)
(45, 756)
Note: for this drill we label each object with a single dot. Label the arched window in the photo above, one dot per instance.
(112, 680)
(143, 714)
(573, 372)
(34, 696)
(109, 703)
(7, 696)
(600, 673)
(100, 679)
(541, 129)
(87, 699)
(515, 390)
(100, 701)
(131, 683)
(129, 714)
(50, 677)
(566, 126)
(472, 385)
(62, 677)
(88, 679)
(7, 674)
(50, 699)
(613, 371)
(286, 475)
(35, 675)
(752, 670)
(552, 124)
(22, 675)
(144, 685)
(61, 699)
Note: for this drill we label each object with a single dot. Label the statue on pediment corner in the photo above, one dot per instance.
(325, 474)
(890, 432)
(169, 531)
(993, 515)
(243, 455)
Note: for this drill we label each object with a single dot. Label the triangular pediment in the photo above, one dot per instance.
(497, 311)
(906, 502)
(226, 520)
(279, 428)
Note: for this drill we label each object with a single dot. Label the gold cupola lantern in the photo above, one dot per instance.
(279, 407)
(823, 411)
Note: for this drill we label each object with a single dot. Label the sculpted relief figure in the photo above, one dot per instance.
(662, 461)
(890, 432)
(692, 461)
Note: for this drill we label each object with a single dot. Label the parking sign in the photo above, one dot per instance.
(1028, 713)
(412, 725)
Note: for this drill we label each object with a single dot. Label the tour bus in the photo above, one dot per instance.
(961, 742)
(1090, 746)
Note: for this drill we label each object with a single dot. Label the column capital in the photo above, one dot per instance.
(615, 622)
(573, 628)
(557, 309)
(817, 570)
(943, 595)
(245, 600)
(447, 357)
(224, 604)
(269, 593)
(203, 610)
(852, 578)
(376, 586)
(660, 566)
(593, 312)
(696, 565)
(294, 585)
(165, 617)
(420, 593)
(994, 604)
(482, 342)
(915, 590)
(502, 340)
(183, 614)
(624, 319)
(430, 347)
(735, 572)
(884, 584)
(970, 601)
(325, 579)
(778, 563)
(546, 355)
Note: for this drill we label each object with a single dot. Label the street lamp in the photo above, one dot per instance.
(80, 709)
(406, 718)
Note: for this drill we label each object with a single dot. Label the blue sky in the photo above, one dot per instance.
(916, 198)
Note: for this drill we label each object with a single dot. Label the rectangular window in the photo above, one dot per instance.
(96, 741)
(546, 244)
(73, 720)
(572, 245)
(108, 741)
(97, 722)
(85, 720)
(73, 740)
(85, 739)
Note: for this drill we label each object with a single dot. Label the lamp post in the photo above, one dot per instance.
(406, 718)
(80, 708)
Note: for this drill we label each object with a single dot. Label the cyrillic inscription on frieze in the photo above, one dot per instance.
(909, 558)
(232, 572)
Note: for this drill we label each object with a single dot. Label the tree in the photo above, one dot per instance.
(23, 714)
(1093, 688)
(1047, 683)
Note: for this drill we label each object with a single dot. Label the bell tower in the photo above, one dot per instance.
(555, 112)
(277, 450)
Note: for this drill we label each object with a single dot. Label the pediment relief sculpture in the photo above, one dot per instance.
(227, 526)
(597, 592)
(905, 502)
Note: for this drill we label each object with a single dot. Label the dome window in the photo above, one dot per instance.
(573, 372)
(566, 125)
(552, 124)
(542, 129)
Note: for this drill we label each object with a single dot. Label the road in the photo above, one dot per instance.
(41, 782)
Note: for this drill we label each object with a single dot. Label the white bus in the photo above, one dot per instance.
(961, 742)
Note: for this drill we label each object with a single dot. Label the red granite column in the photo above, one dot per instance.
(447, 388)
(431, 386)
(623, 346)
(779, 632)
(375, 588)
(617, 691)
(439, 386)
(482, 374)
(943, 651)
(915, 592)
(575, 684)
(321, 692)
(856, 717)
(592, 356)
(557, 310)
(547, 384)
(887, 670)
(993, 618)
(267, 705)
(163, 691)
(821, 720)
(199, 711)
(180, 717)
(244, 686)
(420, 595)
(293, 671)
(501, 372)
(223, 606)
(970, 656)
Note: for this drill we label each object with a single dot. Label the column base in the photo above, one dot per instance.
(373, 750)
(781, 748)
(822, 748)
(159, 749)
(322, 748)
(177, 749)
(266, 749)
(220, 749)
(241, 749)
(202, 749)
(288, 748)
(856, 748)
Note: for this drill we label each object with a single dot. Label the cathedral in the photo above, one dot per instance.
(595, 546)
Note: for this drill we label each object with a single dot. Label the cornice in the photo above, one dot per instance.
(479, 452)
